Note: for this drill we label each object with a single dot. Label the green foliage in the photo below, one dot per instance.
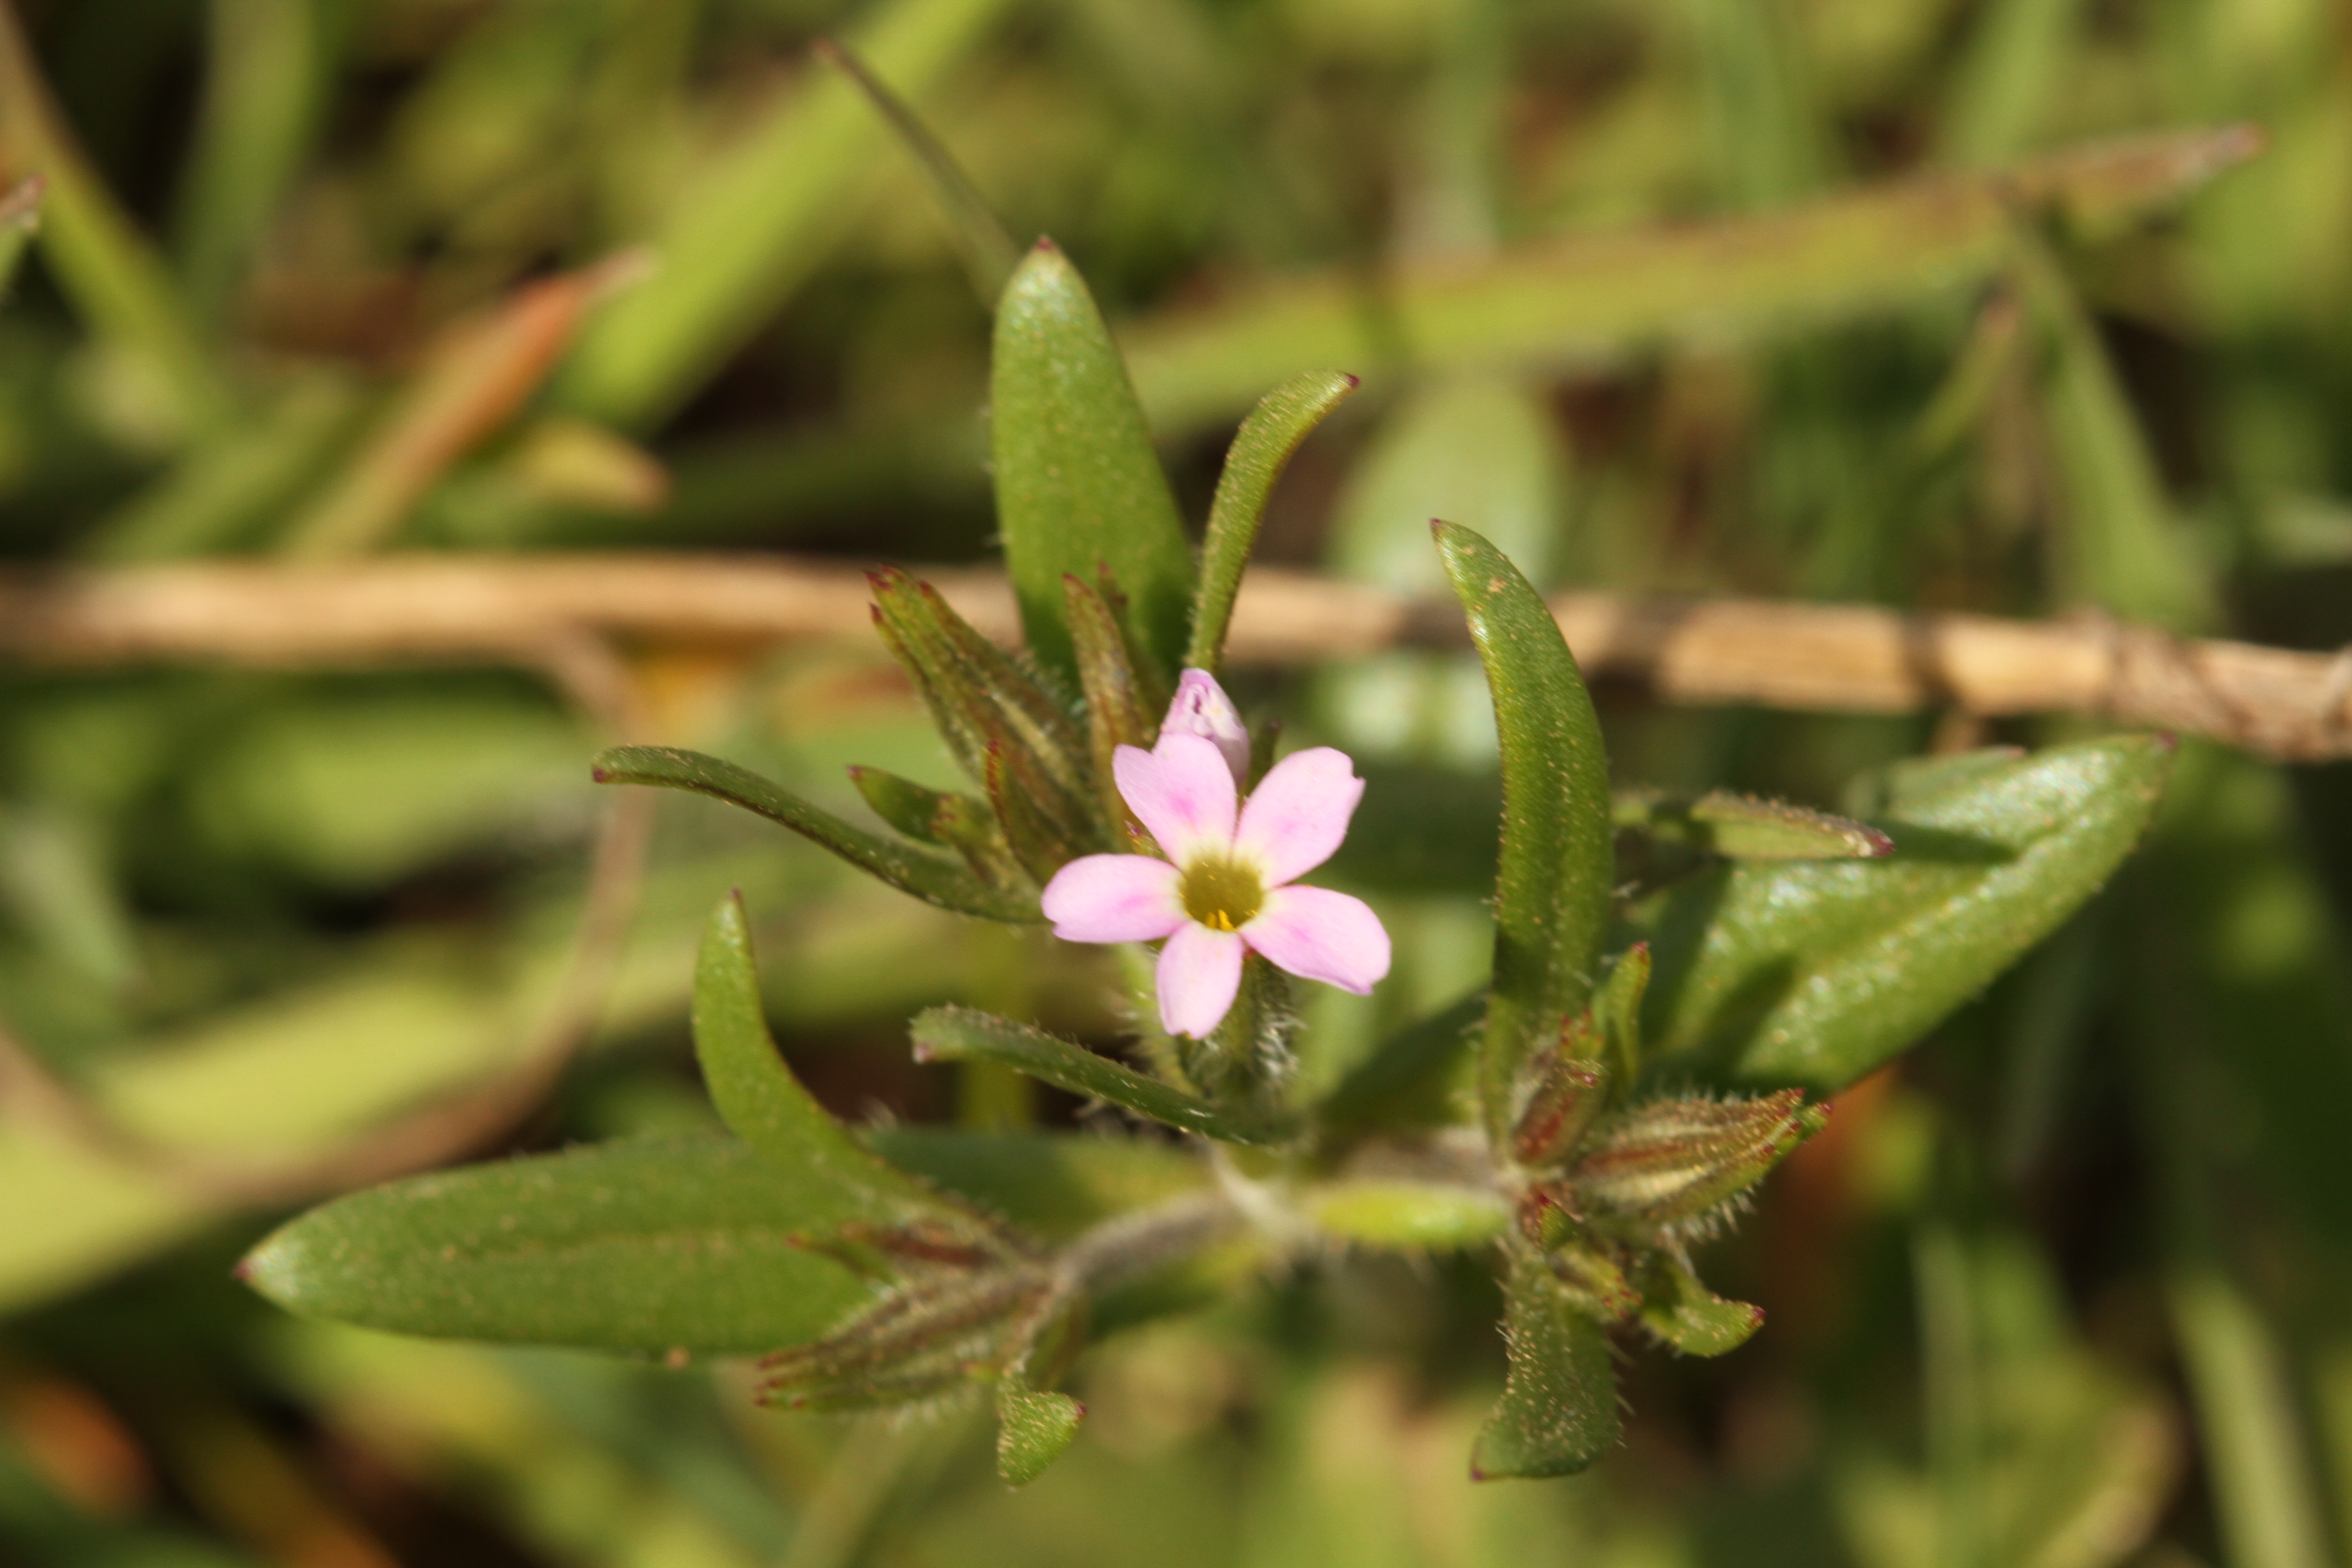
(1815, 972)
(1079, 488)
(1552, 889)
(960, 1034)
(1261, 450)
(1558, 1412)
(927, 877)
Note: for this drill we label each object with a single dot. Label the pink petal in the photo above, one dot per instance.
(1203, 709)
(1298, 813)
(1318, 934)
(1113, 898)
(1200, 973)
(1181, 791)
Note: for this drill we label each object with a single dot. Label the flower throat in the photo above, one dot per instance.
(1222, 894)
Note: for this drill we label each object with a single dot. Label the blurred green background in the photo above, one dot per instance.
(1757, 296)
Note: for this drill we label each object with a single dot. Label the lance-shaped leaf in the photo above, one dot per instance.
(1553, 885)
(1685, 1314)
(659, 1245)
(1671, 1160)
(1742, 827)
(1043, 827)
(1077, 483)
(1814, 973)
(1261, 450)
(924, 1338)
(945, 818)
(962, 1034)
(1558, 1411)
(757, 1097)
(928, 877)
(648, 1245)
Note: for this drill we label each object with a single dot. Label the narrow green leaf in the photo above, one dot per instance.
(1558, 1411)
(1033, 1426)
(755, 1092)
(1608, 297)
(927, 877)
(1688, 1316)
(1813, 973)
(1745, 829)
(1553, 886)
(988, 254)
(1261, 450)
(758, 219)
(646, 1245)
(911, 808)
(1077, 483)
(961, 1034)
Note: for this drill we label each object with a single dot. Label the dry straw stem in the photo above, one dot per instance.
(1818, 657)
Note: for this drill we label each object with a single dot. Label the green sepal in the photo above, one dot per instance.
(1555, 871)
(1815, 972)
(1077, 483)
(1591, 1269)
(1042, 828)
(1685, 1314)
(979, 695)
(1406, 1216)
(1261, 450)
(1742, 827)
(1559, 1410)
(1558, 1093)
(913, 809)
(1671, 1160)
(946, 818)
(1033, 1426)
(924, 875)
(756, 1094)
(1119, 712)
(964, 1033)
(1617, 1013)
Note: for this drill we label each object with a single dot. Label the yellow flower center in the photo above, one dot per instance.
(1222, 894)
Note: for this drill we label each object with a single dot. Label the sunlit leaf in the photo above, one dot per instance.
(1814, 972)
(1078, 486)
(928, 877)
(1261, 450)
(1552, 890)
(757, 1097)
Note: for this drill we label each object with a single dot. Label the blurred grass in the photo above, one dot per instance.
(1802, 297)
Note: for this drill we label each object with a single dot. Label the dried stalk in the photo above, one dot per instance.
(1818, 657)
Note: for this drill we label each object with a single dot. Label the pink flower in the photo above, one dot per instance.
(1226, 883)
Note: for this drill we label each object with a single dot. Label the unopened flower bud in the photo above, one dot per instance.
(1673, 1160)
(1203, 709)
